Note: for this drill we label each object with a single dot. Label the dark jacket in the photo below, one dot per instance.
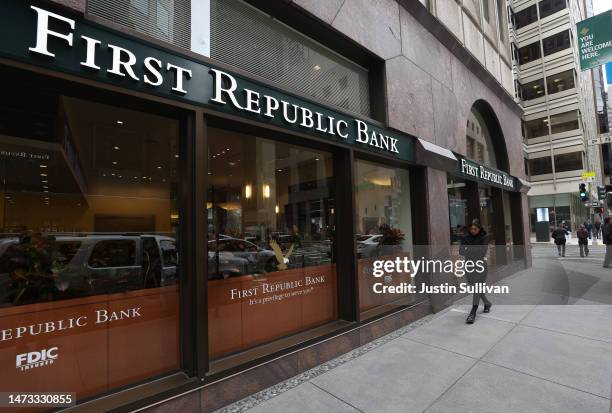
(559, 235)
(583, 236)
(474, 247)
(607, 234)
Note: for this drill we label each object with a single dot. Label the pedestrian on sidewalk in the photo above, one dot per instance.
(606, 237)
(474, 248)
(589, 227)
(558, 235)
(596, 228)
(583, 240)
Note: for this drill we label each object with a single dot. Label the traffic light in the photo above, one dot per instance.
(601, 193)
(584, 195)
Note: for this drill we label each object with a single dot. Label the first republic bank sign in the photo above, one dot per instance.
(43, 36)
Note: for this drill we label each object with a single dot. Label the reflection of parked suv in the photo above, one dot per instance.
(228, 257)
(69, 266)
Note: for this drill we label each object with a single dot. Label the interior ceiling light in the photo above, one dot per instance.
(119, 122)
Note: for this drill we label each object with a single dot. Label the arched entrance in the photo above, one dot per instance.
(472, 198)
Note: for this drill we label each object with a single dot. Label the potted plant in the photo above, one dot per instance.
(391, 241)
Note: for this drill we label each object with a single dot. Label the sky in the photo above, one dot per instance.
(599, 6)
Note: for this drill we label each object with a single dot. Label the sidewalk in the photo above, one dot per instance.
(518, 358)
(571, 240)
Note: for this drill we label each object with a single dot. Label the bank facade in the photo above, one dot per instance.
(194, 194)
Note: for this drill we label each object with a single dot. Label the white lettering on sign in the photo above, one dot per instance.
(34, 359)
(481, 172)
(124, 62)
(293, 114)
(48, 327)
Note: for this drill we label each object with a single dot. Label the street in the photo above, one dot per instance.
(547, 347)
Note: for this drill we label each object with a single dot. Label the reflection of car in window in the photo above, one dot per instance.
(62, 267)
(367, 244)
(113, 253)
(229, 257)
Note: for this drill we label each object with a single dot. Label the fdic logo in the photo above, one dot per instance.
(33, 359)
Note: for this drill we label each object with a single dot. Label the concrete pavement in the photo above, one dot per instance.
(522, 357)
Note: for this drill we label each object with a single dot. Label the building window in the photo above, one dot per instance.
(564, 122)
(535, 128)
(556, 43)
(384, 227)
(271, 231)
(532, 90)
(470, 148)
(560, 82)
(485, 10)
(166, 20)
(243, 36)
(529, 53)
(457, 208)
(548, 7)
(502, 21)
(540, 166)
(479, 146)
(525, 17)
(88, 256)
(568, 162)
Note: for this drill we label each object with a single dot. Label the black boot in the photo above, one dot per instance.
(487, 308)
(472, 316)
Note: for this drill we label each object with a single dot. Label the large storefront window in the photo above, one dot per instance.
(457, 209)
(89, 268)
(271, 233)
(384, 229)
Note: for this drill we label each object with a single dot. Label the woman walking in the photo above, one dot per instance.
(474, 248)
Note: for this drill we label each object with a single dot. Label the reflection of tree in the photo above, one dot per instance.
(33, 266)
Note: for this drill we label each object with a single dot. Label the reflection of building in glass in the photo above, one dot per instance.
(559, 115)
